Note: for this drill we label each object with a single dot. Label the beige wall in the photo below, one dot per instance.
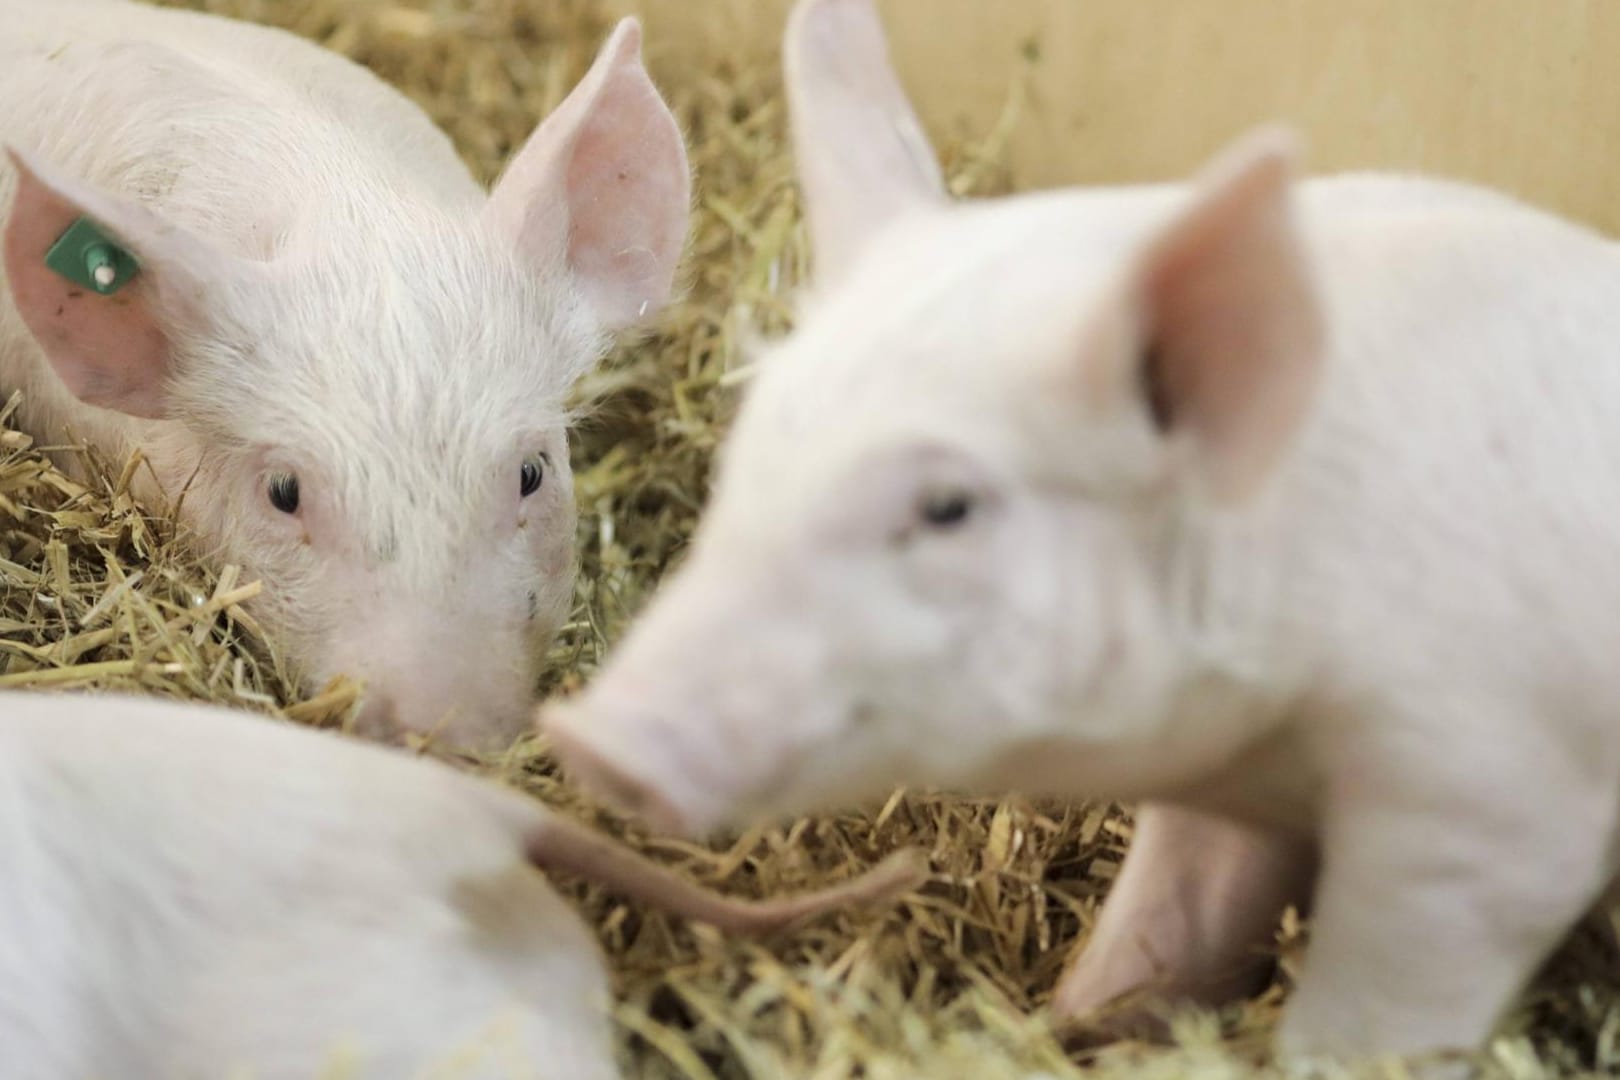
(1522, 94)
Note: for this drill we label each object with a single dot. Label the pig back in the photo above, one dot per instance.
(182, 887)
(1449, 506)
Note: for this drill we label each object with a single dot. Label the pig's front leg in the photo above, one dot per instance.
(1188, 920)
(1441, 893)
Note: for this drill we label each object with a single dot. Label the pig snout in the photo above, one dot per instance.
(715, 708)
(651, 783)
(465, 691)
(443, 708)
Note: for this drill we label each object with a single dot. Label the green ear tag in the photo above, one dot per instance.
(87, 256)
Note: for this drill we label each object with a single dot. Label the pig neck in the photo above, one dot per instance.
(1196, 701)
(1250, 610)
(1236, 665)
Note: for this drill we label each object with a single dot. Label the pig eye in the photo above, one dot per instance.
(283, 489)
(946, 509)
(531, 475)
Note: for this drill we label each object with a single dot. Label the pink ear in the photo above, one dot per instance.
(113, 351)
(603, 185)
(1232, 322)
(862, 156)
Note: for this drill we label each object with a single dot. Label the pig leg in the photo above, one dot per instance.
(1434, 909)
(1189, 918)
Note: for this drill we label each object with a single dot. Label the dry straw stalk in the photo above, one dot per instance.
(101, 593)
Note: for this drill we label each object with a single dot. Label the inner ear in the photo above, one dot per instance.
(1231, 318)
(603, 184)
(114, 350)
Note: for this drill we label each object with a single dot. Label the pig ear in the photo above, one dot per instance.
(862, 156)
(1232, 324)
(115, 351)
(603, 186)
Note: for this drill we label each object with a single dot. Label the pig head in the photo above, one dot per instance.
(365, 406)
(937, 547)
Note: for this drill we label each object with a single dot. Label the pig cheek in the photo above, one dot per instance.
(792, 700)
(548, 574)
(546, 525)
(545, 609)
(1021, 634)
(557, 556)
(832, 753)
(1105, 659)
(306, 576)
(957, 620)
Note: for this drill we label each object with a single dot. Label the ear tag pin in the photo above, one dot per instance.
(87, 256)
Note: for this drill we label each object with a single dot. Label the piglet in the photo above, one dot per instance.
(269, 272)
(191, 892)
(1286, 507)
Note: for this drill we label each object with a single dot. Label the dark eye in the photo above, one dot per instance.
(947, 509)
(533, 472)
(283, 490)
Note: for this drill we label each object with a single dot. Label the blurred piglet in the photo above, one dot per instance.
(1288, 507)
(191, 892)
(254, 261)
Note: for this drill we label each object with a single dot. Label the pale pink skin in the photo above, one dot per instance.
(1288, 507)
(195, 892)
(325, 292)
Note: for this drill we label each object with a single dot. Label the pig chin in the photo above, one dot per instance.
(468, 726)
(689, 779)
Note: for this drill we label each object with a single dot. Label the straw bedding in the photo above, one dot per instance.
(98, 592)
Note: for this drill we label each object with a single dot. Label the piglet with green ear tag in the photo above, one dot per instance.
(267, 270)
(1289, 507)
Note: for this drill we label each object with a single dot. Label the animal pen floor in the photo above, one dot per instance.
(948, 983)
